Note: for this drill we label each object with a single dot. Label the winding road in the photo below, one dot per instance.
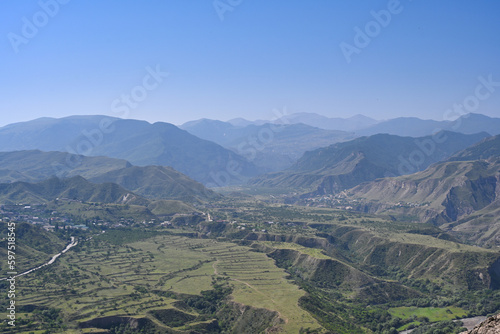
(73, 243)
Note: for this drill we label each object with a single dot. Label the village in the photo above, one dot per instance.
(51, 220)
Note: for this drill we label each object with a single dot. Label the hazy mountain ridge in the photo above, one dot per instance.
(138, 142)
(346, 165)
(352, 123)
(415, 127)
(270, 146)
(400, 126)
(486, 149)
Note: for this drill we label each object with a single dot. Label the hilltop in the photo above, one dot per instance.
(158, 182)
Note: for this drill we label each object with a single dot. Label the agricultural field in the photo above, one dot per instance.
(252, 268)
(434, 314)
(115, 275)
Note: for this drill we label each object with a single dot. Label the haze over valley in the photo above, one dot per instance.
(337, 219)
(250, 167)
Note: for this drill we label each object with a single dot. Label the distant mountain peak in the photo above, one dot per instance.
(416, 127)
(137, 141)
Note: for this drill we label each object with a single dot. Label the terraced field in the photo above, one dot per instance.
(259, 283)
(103, 279)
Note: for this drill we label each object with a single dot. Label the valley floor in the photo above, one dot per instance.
(252, 268)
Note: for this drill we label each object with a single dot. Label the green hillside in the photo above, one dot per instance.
(75, 188)
(169, 207)
(34, 246)
(35, 165)
(155, 182)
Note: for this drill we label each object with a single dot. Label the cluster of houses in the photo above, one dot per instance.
(337, 201)
(37, 215)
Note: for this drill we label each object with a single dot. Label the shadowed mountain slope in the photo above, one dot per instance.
(345, 165)
(154, 182)
(138, 142)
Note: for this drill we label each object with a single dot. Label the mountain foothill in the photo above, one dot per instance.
(385, 167)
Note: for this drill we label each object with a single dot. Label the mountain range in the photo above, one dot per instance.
(462, 195)
(138, 142)
(353, 123)
(270, 146)
(215, 153)
(153, 159)
(153, 182)
(489, 148)
(344, 165)
(415, 127)
(401, 126)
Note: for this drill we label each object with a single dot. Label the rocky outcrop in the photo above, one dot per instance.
(472, 196)
(489, 326)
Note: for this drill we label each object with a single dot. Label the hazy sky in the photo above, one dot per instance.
(242, 58)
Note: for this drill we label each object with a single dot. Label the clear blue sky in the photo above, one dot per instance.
(264, 55)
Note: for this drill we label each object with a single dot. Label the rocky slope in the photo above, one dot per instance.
(359, 255)
(489, 326)
(461, 195)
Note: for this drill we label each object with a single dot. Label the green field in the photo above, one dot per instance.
(434, 314)
(102, 279)
(349, 272)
